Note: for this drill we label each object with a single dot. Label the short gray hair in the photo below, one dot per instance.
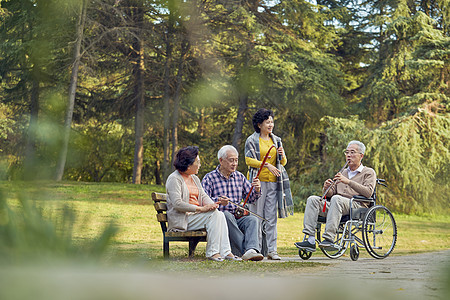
(361, 146)
(224, 150)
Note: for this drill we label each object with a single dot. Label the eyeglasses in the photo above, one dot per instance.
(351, 152)
(233, 160)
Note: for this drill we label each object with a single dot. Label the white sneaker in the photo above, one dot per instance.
(273, 255)
(251, 254)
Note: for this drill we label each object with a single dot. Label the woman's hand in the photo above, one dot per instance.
(207, 207)
(280, 151)
(273, 169)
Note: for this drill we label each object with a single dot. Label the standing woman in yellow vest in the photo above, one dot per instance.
(275, 189)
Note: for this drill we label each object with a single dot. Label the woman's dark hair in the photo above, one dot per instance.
(260, 116)
(185, 157)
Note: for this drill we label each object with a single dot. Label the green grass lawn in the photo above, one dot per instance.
(139, 239)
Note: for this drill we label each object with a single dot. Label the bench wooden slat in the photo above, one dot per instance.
(159, 197)
(161, 217)
(160, 206)
(186, 233)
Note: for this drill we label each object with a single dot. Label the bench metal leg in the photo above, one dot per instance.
(192, 245)
(166, 248)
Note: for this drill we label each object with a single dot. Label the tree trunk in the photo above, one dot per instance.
(176, 102)
(139, 118)
(139, 74)
(72, 91)
(166, 150)
(201, 122)
(243, 106)
(158, 173)
(243, 98)
(30, 148)
(323, 147)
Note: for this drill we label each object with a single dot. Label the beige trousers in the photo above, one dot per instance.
(335, 209)
(217, 231)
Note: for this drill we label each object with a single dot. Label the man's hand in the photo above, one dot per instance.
(223, 200)
(327, 184)
(256, 184)
(341, 178)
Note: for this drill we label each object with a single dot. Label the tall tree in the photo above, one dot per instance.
(177, 96)
(72, 89)
(139, 89)
(168, 39)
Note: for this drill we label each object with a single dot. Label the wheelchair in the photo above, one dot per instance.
(372, 228)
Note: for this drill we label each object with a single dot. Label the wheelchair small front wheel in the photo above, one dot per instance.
(304, 254)
(354, 252)
(379, 231)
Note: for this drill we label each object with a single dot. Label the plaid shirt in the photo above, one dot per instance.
(236, 187)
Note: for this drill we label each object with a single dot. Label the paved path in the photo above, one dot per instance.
(419, 276)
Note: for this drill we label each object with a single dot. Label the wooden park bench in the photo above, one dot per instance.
(193, 237)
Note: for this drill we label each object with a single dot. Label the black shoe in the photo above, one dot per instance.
(305, 245)
(328, 245)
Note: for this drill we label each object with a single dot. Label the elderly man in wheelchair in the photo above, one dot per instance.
(351, 210)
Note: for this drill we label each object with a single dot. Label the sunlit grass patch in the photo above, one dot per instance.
(139, 236)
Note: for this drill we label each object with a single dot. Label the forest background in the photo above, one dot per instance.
(108, 90)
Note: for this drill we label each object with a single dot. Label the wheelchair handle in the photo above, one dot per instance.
(381, 182)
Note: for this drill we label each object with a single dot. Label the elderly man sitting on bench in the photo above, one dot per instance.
(225, 185)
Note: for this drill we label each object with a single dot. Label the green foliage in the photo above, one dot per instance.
(331, 71)
(302, 188)
(411, 153)
(99, 152)
(103, 152)
(413, 59)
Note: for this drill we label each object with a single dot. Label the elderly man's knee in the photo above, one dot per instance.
(338, 202)
(228, 215)
(252, 220)
(312, 200)
(336, 199)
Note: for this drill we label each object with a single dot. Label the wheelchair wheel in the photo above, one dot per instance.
(379, 231)
(354, 252)
(304, 254)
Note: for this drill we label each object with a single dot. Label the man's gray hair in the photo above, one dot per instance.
(224, 150)
(361, 146)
